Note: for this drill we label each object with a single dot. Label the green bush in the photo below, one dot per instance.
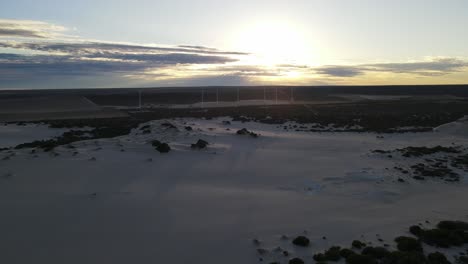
(408, 244)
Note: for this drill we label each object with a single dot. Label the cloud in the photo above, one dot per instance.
(47, 65)
(55, 58)
(433, 67)
(83, 47)
(39, 52)
(12, 28)
(340, 71)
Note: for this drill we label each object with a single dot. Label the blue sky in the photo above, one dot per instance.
(257, 42)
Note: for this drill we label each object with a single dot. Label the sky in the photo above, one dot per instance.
(150, 43)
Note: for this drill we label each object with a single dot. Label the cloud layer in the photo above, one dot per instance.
(432, 67)
(36, 53)
(28, 29)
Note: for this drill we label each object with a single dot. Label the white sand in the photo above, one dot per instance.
(206, 206)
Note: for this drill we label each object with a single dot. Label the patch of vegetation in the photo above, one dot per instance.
(409, 249)
(168, 125)
(358, 244)
(160, 146)
(360, 259)
(435, 170)
(453, 225)
(460, 162)
(447, 234)
(301, 241)
(345, 252)
(437, 258)
(422, 151)
(332, 254)
(379, 151)
(408, 244)
(402, 257)
(201, 144)
(104, 128)
(463, 260)
(296, 261)
(376, 252)
(244, 131)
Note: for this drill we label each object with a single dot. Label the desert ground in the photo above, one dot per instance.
(106, 191)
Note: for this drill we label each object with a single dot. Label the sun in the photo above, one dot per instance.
(275, 42)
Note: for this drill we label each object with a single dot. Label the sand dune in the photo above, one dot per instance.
(120, 201)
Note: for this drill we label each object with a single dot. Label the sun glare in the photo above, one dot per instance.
(275, 43)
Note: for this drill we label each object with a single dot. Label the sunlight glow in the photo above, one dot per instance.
(276, 42)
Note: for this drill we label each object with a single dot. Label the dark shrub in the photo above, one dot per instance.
(358, 244)
(463, 260)
(376, 252)
(443, 237)
(296, 261)
(333, 254)
(163, 148)
(360, 259)
(437, 258)
(301, 241)
(416, 230)
(453, 225)
(408, 244)
(244, 131)
(399, 257)
(156, 143)
(319, 257)
(201, 144)
(345, 252)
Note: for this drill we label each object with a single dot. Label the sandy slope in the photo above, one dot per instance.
(206, 206)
